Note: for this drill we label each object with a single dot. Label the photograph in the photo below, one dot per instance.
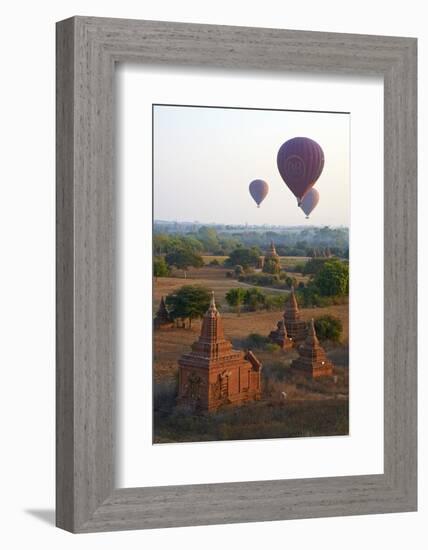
(250, 273)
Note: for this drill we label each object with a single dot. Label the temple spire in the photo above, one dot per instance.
(312, 335)
(291, 307)
(162, 318)
(296, 328)
(212, 302)
(272, 253)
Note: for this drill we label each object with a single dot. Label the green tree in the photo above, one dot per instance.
(290, 281)
(188, 302)
(313, 266)
(235, 298)
(333, 278)
(208, 237)
(246, 257)
(254, 299)
(271, 265)
(192, 243)
(328, 327)
(256, 340)
(160, 267)
(183, 259)
(161, 243)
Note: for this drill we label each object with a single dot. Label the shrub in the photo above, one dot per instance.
(235, 298)
(255, 340)
(160, 267)
(299, 268)
(246, 257)
(254, 299)
(271, 265)
(333, 278)
(274, 302)
(313, 266)
(328, 327)
(272, 347)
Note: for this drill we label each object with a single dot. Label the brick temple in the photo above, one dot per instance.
(213, 373)
(162, 318)
(312, 358)
(294, 328)
(271, 261)
(280, 336)
(271, 252)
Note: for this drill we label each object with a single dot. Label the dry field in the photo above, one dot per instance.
(214, 278)
(291, 261)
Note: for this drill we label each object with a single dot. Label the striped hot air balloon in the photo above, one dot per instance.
(258, 190)
(300, 162)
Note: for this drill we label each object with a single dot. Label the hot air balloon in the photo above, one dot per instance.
(259, 190)
(309, 201)
(300, 162)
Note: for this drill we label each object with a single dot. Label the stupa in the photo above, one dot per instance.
(280, 336)
(271, 253)
(162, 318)
(271, 263)
(213, 373)
(296, 328)
(312, 358)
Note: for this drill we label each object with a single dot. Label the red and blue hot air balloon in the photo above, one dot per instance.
(258, 190)
(300, 162)
(309, 201)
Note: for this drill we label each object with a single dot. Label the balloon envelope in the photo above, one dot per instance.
(309, 201)
(300, 162)
(258, 190)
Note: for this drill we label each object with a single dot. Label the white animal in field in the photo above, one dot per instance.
(283, 395)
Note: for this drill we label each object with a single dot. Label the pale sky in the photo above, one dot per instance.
(205, 159)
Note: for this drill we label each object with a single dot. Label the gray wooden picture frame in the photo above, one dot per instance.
(87, 50)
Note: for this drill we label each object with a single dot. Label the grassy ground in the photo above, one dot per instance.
(292, 406)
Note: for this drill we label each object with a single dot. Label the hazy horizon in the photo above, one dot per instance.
(204, 159)
(212, 223)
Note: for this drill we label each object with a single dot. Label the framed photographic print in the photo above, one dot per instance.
(236, 274)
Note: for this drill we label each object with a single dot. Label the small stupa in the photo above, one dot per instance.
(312, 358)
(280, 336)
(213, 374)
(271, 253)
(162, 318)
(271, 263)
(296, 328)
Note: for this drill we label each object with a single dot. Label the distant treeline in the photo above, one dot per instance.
(223, 240)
